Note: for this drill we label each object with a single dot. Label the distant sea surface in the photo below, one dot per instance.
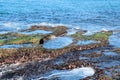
(87, 14)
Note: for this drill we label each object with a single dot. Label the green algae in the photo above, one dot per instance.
(7, 37)
(25, 39)
(1, 42)
(17, 38)
(99, 36)
(11, 35)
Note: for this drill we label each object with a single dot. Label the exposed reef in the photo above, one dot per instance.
(37, 60)
(99, 36)
(38, 51)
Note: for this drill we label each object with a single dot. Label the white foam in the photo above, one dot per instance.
(89, 33)
(104, 29)
(3, 32)
(75, 74)
(77, 27)
(12, 26)
(47, 24)
(71, 31)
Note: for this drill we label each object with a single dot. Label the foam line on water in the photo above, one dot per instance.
(49, 24)
(74, 74)
(12, 26)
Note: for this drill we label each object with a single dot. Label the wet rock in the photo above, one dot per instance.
(98, 36)
(38, 60)
(46, 37)
(39, 53)
(58, 31)
(36, 27)
(7, 75)
(104, 78)
(47, 28)
(71, 64)
(92, 55)
(117, 50)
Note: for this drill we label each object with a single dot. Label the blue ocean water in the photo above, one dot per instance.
(88, 14)
(91, 15)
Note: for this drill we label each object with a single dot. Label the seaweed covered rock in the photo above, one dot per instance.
(47, 28)
(36, 27)
(60, 30)
(57, 31)
(46, 37)
(99, 36)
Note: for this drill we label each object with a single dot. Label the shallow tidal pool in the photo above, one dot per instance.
(58, 42)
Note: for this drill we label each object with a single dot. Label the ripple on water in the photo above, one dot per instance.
(36, 32)
(58, 43)
(15, 46)
(108, 64)
(85, 42)
(114, 41)
(108, 53)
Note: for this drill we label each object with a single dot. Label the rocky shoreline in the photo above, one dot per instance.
(70, 60)
(31, 54)
(27, 62)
